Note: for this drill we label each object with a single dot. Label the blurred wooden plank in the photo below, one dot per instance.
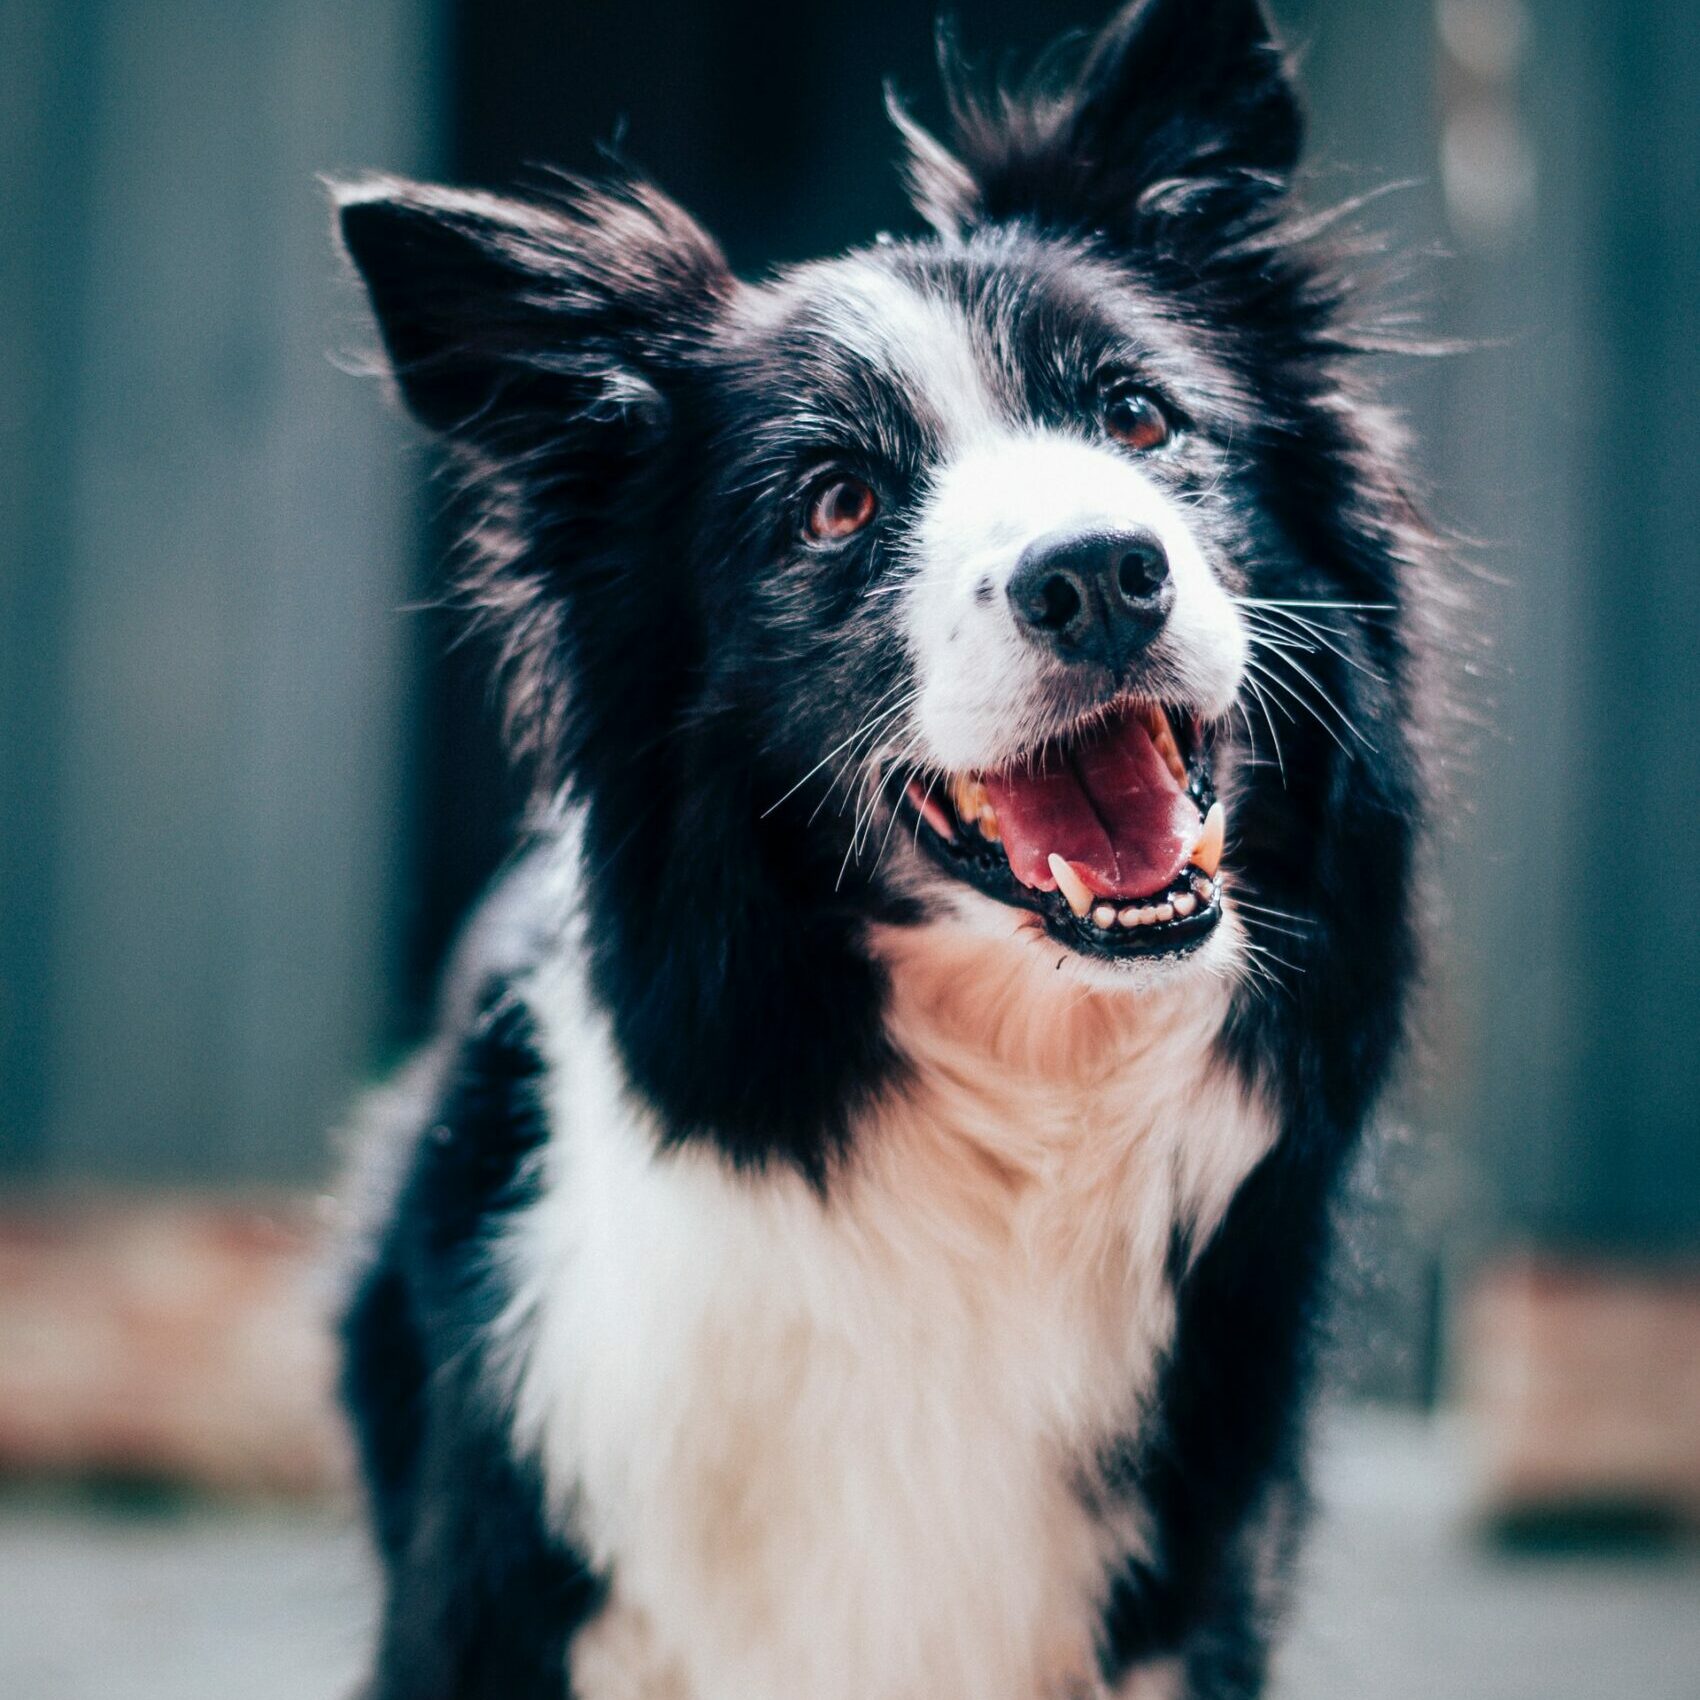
(1582, 1380)
(181, 1341)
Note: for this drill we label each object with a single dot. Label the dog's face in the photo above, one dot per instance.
(947, 569)
(973, 541)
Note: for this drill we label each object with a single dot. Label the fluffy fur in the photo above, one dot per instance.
(799, 1269)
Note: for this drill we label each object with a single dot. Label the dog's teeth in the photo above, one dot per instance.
(1074, 889)
(1163, 737)
(1207, 852)
(1165, 911)
(1129, 917)
(970, 798)
(989, 824)
(1202, 888)
(1184, 904)
(1103, 916)
(1147, 916)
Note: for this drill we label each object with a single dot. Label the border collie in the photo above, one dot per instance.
(859, 1232)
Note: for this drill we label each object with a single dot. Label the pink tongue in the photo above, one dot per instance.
(1108, 804)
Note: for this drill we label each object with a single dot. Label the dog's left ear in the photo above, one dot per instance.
(512, 325)
(1181, 111)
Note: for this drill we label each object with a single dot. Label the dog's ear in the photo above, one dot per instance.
(1180, 110)
(506, 320)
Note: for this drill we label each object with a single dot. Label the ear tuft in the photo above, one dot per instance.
(939, 185)
(1178, 108)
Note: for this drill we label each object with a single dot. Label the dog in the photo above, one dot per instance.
(860, 1228)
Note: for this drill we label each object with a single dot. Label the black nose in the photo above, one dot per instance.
(1094, 596)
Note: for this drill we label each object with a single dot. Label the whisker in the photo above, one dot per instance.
(932, 786)
(1268, 955)
(1250, 735)
(911, 773)
(1284, 642)
(1322, 635)
(1316, 685)
(1301, 602)
(1241, 901)
(875, 765)
(853, 738)
(852, 763)
(1276, 683)
(1269, 721)
(1256, 923)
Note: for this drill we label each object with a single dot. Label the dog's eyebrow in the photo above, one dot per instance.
(927, 344)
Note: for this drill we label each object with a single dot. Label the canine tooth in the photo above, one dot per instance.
(1129, 917)
(1074, 889)
(1184, 904)
(1201, 888)
(1103, 916)
(989, 824)
(1207, 852)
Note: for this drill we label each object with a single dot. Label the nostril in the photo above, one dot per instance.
(1059, 603)
(1142, 571)
(1092, 595)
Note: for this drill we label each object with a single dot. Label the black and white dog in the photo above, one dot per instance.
(859, 1232)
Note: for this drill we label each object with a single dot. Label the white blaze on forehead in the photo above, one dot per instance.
(981, 680)
(922, 342)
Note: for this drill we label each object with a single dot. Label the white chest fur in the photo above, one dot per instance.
(841, 1448)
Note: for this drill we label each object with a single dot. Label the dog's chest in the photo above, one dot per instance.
(846, 1447)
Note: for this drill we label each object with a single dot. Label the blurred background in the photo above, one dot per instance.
(249, 781)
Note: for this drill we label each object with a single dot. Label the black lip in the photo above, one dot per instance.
(983, 865)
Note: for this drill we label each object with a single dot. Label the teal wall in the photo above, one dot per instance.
(1566, 447)
(207, 534)
(208, 530)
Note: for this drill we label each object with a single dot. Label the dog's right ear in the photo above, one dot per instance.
(1180, 119)
(505, 321)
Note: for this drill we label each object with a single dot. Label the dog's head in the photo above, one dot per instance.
(1036, 575)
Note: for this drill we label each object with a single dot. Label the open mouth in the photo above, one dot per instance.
(1112, 835)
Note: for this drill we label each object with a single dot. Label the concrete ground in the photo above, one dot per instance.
(1400, 1602)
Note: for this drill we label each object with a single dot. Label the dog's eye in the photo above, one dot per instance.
(839, 507)
(1135, 419)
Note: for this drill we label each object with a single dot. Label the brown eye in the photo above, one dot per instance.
(1135, 420)
(839, 508)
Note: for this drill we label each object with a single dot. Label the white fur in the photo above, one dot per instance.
(923, 342)
(842, 1447)
(982, 702)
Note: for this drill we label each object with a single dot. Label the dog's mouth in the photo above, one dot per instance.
(1111, 835)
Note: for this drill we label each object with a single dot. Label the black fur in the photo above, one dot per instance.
(483, 1596)
(678, 666)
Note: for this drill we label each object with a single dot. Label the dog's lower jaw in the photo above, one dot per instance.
(993, 941)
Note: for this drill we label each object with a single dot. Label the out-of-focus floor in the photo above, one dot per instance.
(1400, 1603)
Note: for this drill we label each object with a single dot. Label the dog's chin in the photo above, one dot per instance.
(1131, 893)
